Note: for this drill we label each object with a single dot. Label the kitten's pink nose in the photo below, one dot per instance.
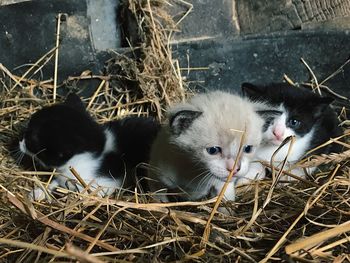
(278, 132)
(230, 163)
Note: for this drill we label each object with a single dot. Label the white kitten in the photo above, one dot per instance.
(196, 149)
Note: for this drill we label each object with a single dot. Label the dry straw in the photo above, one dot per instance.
(306, 220)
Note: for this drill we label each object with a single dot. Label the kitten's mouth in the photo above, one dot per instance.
(224, 178)
(23, 148)
(277, 142)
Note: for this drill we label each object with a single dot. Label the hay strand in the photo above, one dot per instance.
(55, 75)
(269, 218)
(313, 240)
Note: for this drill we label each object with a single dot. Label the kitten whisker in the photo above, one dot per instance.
(200, 182)
(212, 182)
(18, 155)
(150, 167)
(35, 154)
(204, 182)
(123, 181)
(36, 158)
(14, 151)
(204, 171)
(18, 158)
(21, 158)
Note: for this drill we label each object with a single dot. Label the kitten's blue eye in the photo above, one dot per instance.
(214, 150)
(294, 123)
(248, 148)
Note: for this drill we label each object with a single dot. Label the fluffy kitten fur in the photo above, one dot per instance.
(64, 135)
(185, 155)
(292, 111)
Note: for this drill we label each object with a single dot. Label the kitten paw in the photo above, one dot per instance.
(256, 172)
(106, 192)
(225, 210)
(38, 194)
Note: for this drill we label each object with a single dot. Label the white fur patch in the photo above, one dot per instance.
(110, 142)
(38, 193)
(270, 146)
(87, 166)
(22, 146)
(256, 171)
(301, 144)
(230, 193)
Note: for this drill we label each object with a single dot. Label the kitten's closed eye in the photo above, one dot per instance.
(31, 136)
(214, 150)
(64, 154)
(60, 155)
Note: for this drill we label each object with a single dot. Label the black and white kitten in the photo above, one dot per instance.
(64, 135)
(292, 111)
(196, 149)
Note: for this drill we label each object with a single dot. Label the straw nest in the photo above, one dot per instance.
(303, 221)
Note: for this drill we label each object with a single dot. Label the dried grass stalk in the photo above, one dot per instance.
(268, 215)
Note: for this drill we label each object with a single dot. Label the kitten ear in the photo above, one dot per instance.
(251, 91)
(74, 101)
(321, 105)
(182, 120)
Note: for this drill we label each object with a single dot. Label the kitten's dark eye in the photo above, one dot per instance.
(214, 150)
(248, 148)
(294, 123)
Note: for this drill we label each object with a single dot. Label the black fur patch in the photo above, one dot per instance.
(58, 132)
(134, 138)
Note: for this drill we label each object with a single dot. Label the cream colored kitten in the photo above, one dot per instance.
(195, 150)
